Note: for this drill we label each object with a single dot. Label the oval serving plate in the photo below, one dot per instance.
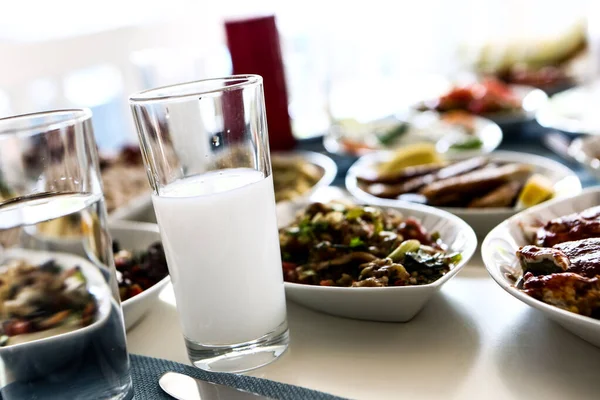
(498, 252)
(532, 100)
(420, 127)
(392, 304)
(566, 183)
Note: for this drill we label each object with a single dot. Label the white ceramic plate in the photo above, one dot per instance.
(498, 252)
(586, 151)
(484, 219)
(422, 127)
(138, 236)
(574, 110)
(393, 304)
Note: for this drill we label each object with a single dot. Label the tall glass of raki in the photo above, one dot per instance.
(61, 330)
(205, 146)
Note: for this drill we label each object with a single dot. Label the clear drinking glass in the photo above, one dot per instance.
(62, 333)
(205, 146)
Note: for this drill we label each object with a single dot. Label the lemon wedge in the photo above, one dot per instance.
(409, 156)
(537, 189)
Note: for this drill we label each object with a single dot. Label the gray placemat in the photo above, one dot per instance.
(147, 370)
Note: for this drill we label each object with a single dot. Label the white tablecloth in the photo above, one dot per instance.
(472, 341)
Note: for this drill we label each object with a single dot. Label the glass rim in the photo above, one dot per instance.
(154, 95)
(67, 117)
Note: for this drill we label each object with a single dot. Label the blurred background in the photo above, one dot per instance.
(365, 61)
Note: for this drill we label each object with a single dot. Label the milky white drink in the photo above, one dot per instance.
(220, 235)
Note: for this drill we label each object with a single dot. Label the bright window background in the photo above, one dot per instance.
(342, 58)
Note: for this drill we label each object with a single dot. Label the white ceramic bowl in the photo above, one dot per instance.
(321, 160)
(30, 360)
(393, 304)
(481, 220)
(138, 236)
(498, 252)
(586, 151)
(141, 209)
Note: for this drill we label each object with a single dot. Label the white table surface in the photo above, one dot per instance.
(472, 341)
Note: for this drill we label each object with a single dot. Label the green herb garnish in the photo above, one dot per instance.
(472, 143)
(356, 242)
(354, 213)
(390, 136)
(411, 245)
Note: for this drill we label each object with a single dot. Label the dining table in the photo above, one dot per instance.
(471, 341)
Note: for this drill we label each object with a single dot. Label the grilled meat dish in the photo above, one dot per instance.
(481, 181)
(372, 176)
(567, 290)
(563, 268)
(502, 196)
(584, 256)
(476, 182)
(576, 226)
(542, 260)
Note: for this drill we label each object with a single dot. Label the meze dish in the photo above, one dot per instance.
(490, 98)
(295, 173)
(370, 263)
(481, 98)
(547, 257)
(139, 270)
(492, 188)
(293, 176)
(453, 132)
(39, 301)
(479, 182)
(357, 246)
(561, 266)
(124, 177)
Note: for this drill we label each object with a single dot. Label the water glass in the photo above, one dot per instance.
(206, 150)
(62, 332)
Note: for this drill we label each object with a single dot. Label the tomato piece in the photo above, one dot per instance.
(288, 266)
(135, 290)
(14, 328)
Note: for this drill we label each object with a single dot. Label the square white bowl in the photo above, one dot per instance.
(390, 304)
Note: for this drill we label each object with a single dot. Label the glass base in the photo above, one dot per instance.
(240, 357)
